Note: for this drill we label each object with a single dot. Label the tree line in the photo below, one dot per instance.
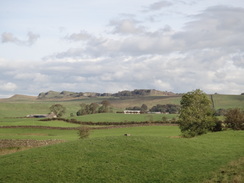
(94, 108)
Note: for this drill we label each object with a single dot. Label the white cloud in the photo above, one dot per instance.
(126, 26)
(9, 37)
(206, 54)
(8, 86)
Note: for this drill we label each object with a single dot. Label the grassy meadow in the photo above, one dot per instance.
(44, 134)
(118, 117)
(228, 101)
(137, 158)
(150, 154)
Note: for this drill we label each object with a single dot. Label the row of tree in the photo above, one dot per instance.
(105, 106)
(94, 108)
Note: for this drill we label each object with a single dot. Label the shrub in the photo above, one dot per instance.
(83, 132)
(218, 126)
(234, 119)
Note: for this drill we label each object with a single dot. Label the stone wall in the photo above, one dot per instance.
(5, 143)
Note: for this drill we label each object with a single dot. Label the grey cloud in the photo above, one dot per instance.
(203, 35)
(179, 73)
(72, 52)
(158, 5)
(9, 37)
(207, 54)
(238, 60)
(126, 26)
(32, 38)
(82, 36)
(216, 27)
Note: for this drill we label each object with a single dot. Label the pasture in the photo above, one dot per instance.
(118, 117)
(139, 158)
(150, 154)
(45, 134)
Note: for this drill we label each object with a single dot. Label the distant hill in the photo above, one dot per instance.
(66, 94)
(20, 98)
(125, 93)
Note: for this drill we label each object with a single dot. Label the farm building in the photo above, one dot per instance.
(132, 112)
(51, 115)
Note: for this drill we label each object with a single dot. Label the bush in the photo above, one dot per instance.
(83, 132)
(218, 126)
(234, 119)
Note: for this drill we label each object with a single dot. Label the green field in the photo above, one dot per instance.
(117, 117)
(228, 101)
(44, 134)
(138, 158)
(37, 134)
(150, 154)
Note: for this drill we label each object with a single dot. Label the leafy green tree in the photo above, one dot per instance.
(93, 108)
(144, 108)
(106, 103)
(106, 107)
(83, 110)
(169, 108)
(196, 114)
(58, 109)
(234, 118)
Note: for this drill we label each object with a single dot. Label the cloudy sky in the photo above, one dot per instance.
(114, 45)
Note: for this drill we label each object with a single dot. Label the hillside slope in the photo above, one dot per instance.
(19, 98)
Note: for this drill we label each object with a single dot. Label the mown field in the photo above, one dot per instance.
(150, 154)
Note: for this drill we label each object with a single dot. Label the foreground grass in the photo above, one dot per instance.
(138, 158)
(233, 172)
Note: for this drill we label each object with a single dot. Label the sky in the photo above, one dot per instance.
(108, 46)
